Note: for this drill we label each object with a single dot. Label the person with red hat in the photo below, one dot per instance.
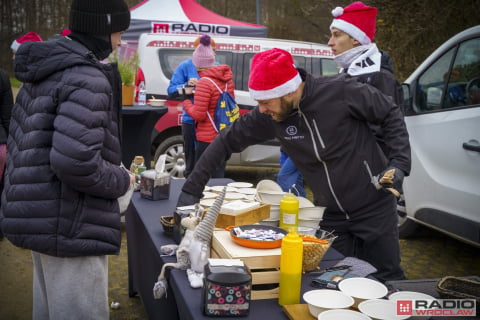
(64, 181)
(29, 36)
(322, 124)
(352, 34)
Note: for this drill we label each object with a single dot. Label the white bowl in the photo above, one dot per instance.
(157, 102)
(268, 185)
(342, 314)
(270, 197)
(325, 299)
(362, 289)
(308, 223)
(311, 212)
(274, 212)
(380, 309)
(411, 295)
(304, 203)
(306, 230)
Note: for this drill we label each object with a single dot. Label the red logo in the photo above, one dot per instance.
(404, 307)
(160, 28)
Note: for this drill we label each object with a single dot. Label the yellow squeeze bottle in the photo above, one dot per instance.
(289, 212)
(290, 269)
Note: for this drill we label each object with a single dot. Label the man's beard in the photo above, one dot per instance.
(286, 108)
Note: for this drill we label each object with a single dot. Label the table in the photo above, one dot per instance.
(145, 236)
(137, 127)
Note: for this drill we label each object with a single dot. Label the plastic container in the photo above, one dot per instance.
(290, 269)
(142, 94)
(289, 206)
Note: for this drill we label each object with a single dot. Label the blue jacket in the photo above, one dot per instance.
(180, 77)
(63, 174)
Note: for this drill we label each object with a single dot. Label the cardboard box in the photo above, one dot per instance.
(264, 264)
(227, 219)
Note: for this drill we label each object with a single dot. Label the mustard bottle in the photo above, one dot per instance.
(290, 269)
(289, 212)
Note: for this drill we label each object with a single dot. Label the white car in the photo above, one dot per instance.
(443, 119)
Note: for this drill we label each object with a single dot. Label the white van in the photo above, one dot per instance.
(443, 120)
(159, 56)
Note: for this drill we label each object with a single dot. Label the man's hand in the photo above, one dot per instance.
(186, 199)
(391, 179)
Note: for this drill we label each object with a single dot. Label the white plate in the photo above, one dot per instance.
(207, 202)
(220, 189)
(249, 191)
(240, 184)
(234, 196)
(209, 195)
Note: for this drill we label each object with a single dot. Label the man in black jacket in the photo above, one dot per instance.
(322, 123)
(63, 175)
(352, 34)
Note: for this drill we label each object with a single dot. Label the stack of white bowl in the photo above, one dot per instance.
(271, 193)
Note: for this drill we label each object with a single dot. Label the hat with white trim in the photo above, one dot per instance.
(273, 75)
(356, 19)
(29, 36)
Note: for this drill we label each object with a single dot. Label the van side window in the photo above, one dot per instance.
(450, 84)
(466, 72)
(431, 84)
(171, 58)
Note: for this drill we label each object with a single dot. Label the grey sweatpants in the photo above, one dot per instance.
(70, 288)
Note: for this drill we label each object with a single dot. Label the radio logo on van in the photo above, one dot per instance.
(195, 28)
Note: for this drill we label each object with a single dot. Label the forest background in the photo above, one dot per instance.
(407, 30)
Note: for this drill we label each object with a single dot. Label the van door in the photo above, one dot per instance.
(444, 126)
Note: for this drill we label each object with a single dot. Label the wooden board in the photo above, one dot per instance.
(298, 312)
(226, 248)
(248, 217)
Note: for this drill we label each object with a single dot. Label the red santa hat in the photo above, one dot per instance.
(273, 75)
(29, 36)
(356, 19)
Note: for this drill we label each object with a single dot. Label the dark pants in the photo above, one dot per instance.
(370, 236)
(201, 146)
(188, 133)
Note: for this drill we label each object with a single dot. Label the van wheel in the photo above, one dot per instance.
(175, 162)
(406, 227)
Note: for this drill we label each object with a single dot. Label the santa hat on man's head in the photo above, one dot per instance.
(29, 36)
(273, 75)
(356, 19)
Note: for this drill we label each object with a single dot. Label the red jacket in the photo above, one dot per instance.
(206, 97)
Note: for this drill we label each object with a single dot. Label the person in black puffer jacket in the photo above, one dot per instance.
(63, 174)
(6, 104)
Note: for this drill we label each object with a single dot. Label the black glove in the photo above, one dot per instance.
(187, 199)
(391, 179)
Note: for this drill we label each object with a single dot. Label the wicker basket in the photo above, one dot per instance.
(459, 288)
(314, 249)
(167, 223)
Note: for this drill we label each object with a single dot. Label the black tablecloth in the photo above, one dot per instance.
(137, 127)
(145, 236)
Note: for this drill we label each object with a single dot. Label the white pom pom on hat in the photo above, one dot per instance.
(356, 19)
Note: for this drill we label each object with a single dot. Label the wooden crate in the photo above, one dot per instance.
(248, 217)
(264, 264)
